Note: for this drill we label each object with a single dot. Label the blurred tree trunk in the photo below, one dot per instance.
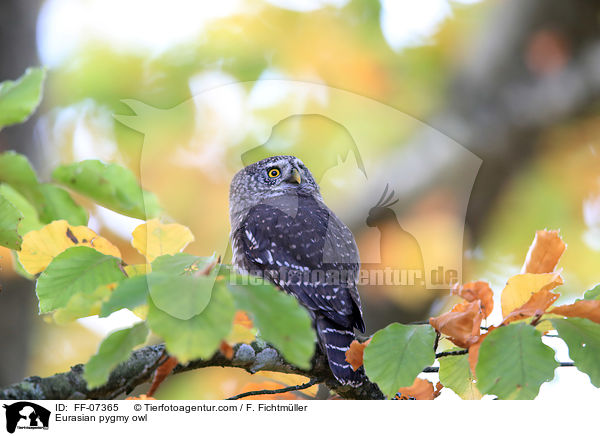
(17, 299)
(535, 64)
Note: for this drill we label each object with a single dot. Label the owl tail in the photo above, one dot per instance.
(335, 341)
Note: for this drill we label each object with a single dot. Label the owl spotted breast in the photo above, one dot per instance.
(282, 230)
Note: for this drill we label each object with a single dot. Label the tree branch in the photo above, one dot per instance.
(139, 368)
(276, 391)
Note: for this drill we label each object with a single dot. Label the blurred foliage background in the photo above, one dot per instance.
(517, 83)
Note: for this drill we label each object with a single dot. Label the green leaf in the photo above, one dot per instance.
(455, 373)
(115, 349)
(81, 305)
(110, 185)
(197, 337)
(10, 217)
(397, 354)
(16, 170)
(583, 339)
(182, 297)
(514, 362)
(58, 205)
(180, 263)
(280, 319)
(18, 99)
(129, 294)
(51, 202)
(592, 294)
(30, 219)
(75, 270)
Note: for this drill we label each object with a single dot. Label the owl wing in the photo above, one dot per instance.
(274, 241)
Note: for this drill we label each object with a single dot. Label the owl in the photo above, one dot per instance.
(282, 231)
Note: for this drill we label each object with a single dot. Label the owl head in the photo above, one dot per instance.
(271, 177)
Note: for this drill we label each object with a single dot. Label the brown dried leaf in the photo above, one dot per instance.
(477, 291)
(461, 325)
(536, 305)
(420, 390)
(241, 318)
(354, 355)
(545, 251)
(474, 351)
(589, 309)
(226, 350)
(161, 373)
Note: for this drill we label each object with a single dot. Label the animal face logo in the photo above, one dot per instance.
(26, 415)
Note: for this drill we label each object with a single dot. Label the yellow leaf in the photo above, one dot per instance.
(137, 270)
(521, 287)
(153, 238)
(141, 311)
(41, 246)
(240, 333)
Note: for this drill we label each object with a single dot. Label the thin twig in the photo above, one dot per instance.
(451, 353)
(276, 391)
(430, 369)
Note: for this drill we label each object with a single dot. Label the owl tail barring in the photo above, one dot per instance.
(335, 340)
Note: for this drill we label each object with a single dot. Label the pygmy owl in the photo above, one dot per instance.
(282, 230)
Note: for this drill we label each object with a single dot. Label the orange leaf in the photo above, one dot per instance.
(141, 397)
(477, 291)
(545, 251)
(536, 305)
(420, 390)
(589, 309)
(521, 287)
(354, 355)
(268, 385)
(241, 318)
(226, 350)
(161, 373)
(474, 351)
(461, 325)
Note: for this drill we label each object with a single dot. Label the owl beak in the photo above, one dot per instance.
(295, 177)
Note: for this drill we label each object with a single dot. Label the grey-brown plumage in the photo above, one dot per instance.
(282, 230)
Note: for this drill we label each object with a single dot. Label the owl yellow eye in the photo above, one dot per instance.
(274, 172)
